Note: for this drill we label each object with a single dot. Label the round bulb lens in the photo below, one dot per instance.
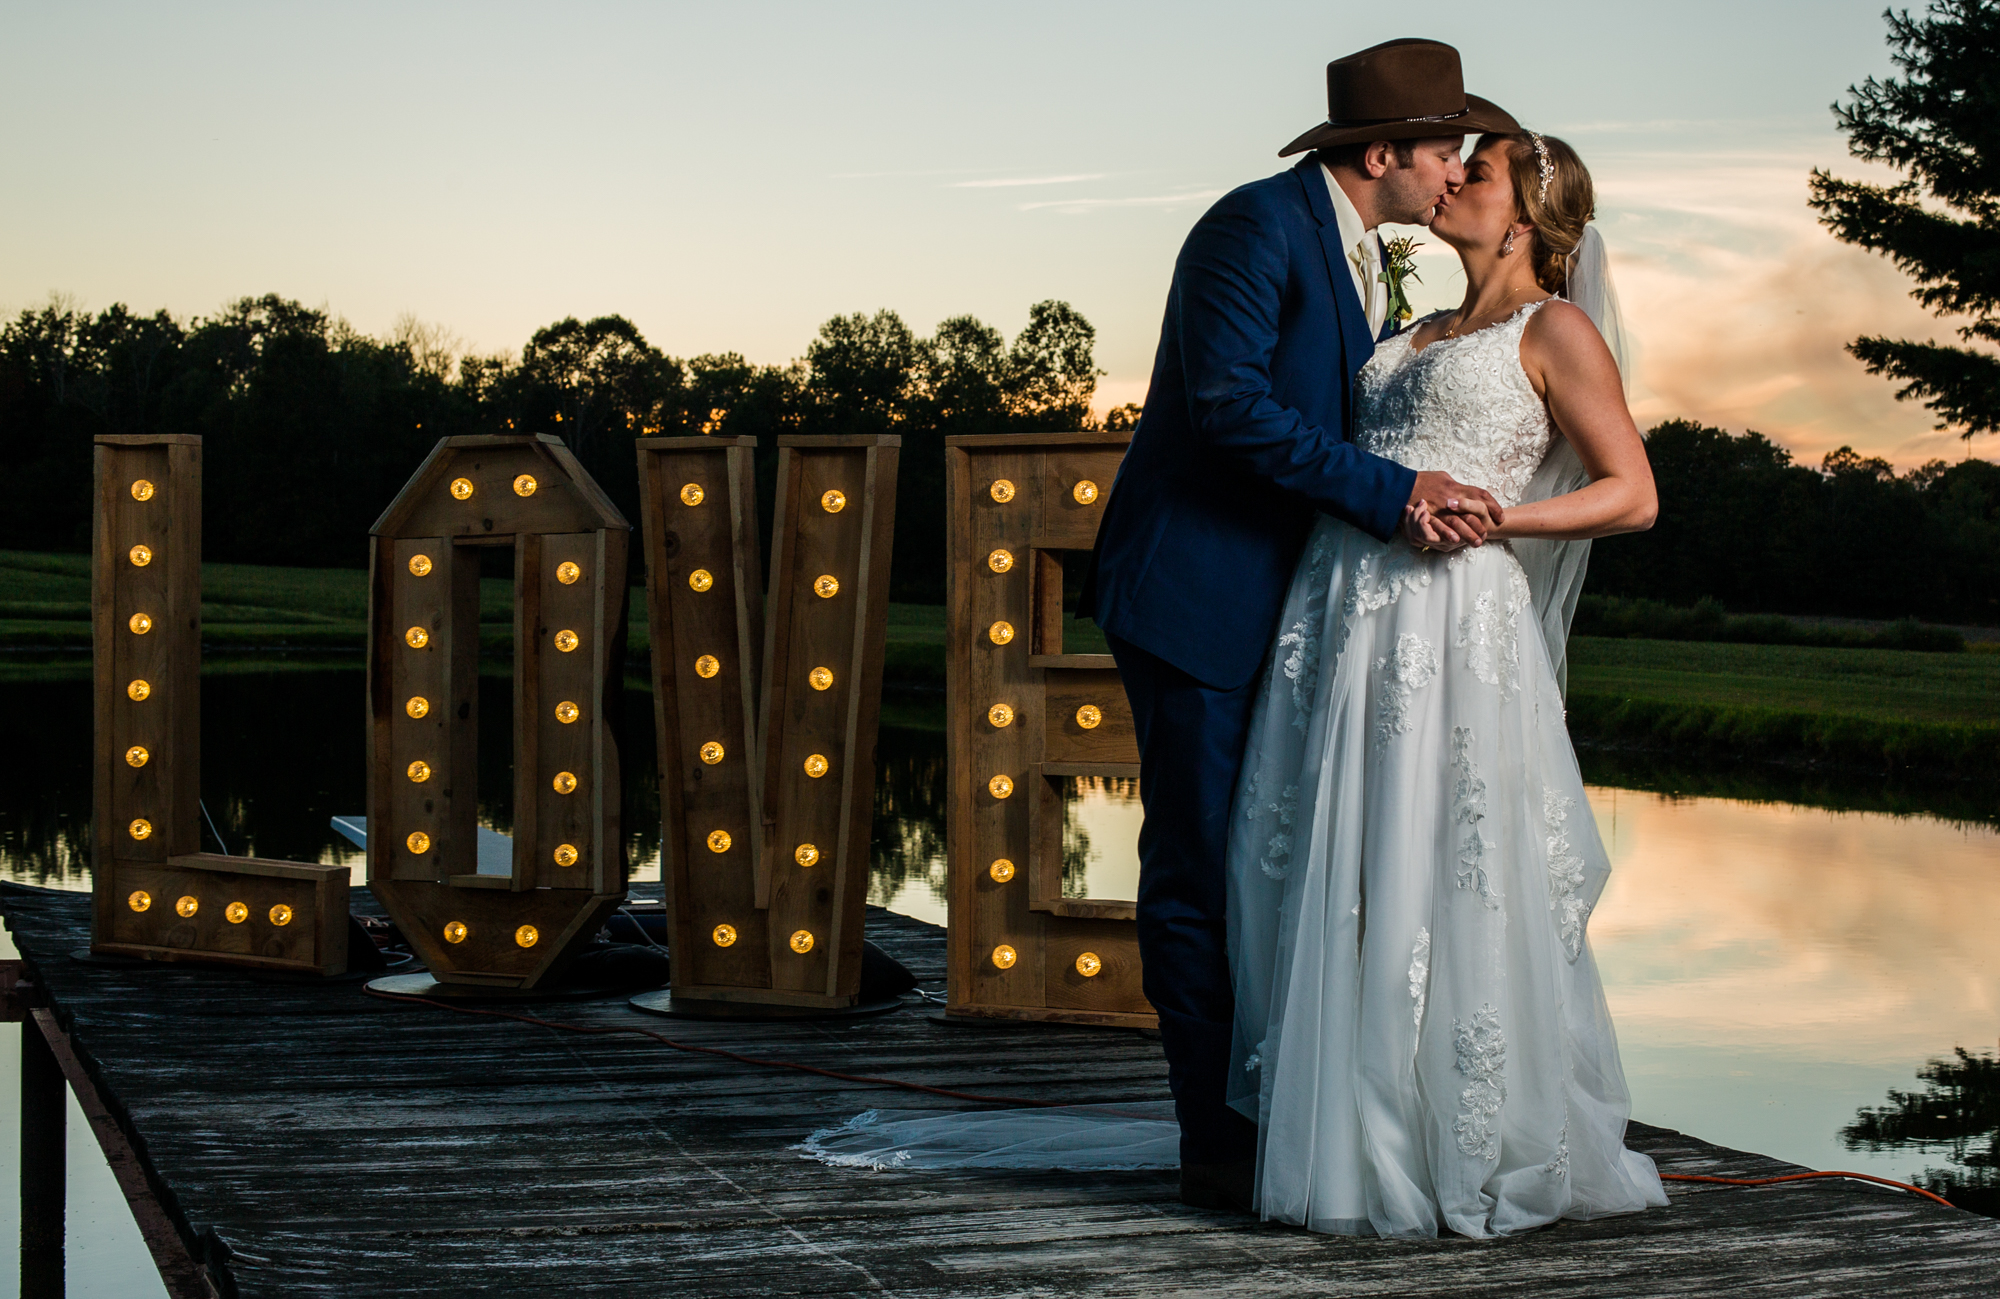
(136, 756)
(567, 573)
(187, 904)
(1089, 717)
(236, 913)
(1000, 786)
(417, 706)
(567, 712)
(724, 935)
(701, 579)
(566, 640)
(707, 666)
(565, 854)
(1088, 965)
(140, 900)
(417, 637)
(455, 931)
(524, 485)
(418, 842)
(816, 765)
(833, 502)
(692, 494)
(821, 678)
(1000, 715)
(806, 855)
(1002, 490)
(719, 841)
(140, 556)
(1001, 871)
(420, 565)
(1000, 561)
(281, 915)
(826, 586)
(138, 690)
(1004, 957)
(462, 488)
(142, 490)
(420, 771)
(140, 828)
(711, 753)
(1000, 632)
(527, 935)
(140, 624)
(1085, 492)
(802, 942)
(565, 782)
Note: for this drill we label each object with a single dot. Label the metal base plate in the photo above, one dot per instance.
(663, 1003)
(423, 985)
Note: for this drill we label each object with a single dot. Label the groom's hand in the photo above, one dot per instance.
(1456, 514)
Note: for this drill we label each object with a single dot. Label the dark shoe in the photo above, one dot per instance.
(1226, 1187)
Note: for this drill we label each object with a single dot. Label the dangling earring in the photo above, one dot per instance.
(1507, 244)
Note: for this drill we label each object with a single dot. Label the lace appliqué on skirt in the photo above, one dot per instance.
(1468, 808)
(1408, 670)
(1565, 874)
(1481, 1049)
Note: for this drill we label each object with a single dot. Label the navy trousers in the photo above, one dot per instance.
(1191, 741)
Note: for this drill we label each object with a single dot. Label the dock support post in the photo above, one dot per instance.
(44, 1152)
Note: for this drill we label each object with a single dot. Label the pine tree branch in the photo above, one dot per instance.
(1960, 385)
(1957, 263)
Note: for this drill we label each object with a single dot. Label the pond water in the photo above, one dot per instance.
(1774, 969)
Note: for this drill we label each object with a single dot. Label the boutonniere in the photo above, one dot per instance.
(1401, 267)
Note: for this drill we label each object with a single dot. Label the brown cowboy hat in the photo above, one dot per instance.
(1399, 90)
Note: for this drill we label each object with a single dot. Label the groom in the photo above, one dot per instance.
(1277, 302)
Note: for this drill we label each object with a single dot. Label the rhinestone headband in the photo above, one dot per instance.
(1542, 158)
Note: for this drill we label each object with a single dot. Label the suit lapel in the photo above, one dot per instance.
(1355, 343)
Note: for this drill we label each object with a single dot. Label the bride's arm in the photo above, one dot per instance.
(1567, 361)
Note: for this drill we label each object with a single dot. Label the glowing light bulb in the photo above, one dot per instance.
(418, 842)
(1089, 964)
(140, 828)
(187, 904)
(566, 640)
(281, 915)
(1089, 717)
(567, 712)
(236, 913)
(527, 935)
(1000, 561)
(1085, 492)
(724, 935)
(462, 488)
(419, 771)
(692, 494)
(455, 931)
(806, 855)
(138, 690)
(1000, 632)
(802, 941)
(417, 637)
(719, 841)
(565, 782)
(711, 753)
(1000, 786)
(417, 706)
(524, 485)
(1001, 870)
(816, 765)
(140, 556)
(707, 666)
(567, 573)
(833, 502)
(1004, 957)
(140, 900)
(701, 579)
(141, 490)
(1000, 715)
(1003, 491)
(420, 565)
(140, 624)
(826, 586)
(565, 854)
(821, 678)
(136, 756)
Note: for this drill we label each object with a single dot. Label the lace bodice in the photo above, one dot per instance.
(1461, 405)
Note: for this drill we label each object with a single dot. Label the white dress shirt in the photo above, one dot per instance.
(1364, 255)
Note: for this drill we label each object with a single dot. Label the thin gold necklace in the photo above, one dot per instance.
(1451, 330)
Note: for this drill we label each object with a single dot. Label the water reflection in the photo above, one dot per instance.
(1957, 1114)
(1101, 838)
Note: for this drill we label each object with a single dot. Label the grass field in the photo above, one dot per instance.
(1896, 708)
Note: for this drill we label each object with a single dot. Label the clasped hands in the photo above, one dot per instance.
(1445, 514)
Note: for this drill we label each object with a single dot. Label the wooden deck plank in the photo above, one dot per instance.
(343, 1145)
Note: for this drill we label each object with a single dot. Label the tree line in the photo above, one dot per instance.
(311, 426)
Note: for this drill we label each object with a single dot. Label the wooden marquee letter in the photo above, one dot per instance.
(154, 893)
(568, 868)
(1023, 716)
(767, 731)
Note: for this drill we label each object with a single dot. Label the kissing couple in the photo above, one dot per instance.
(1337, 570)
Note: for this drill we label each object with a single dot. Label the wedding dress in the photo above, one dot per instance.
(1420, 1030)
(1420, 1034)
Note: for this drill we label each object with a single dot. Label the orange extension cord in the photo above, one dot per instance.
(1016, 1100)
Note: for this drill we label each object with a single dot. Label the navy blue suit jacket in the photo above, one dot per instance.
(1243, 437)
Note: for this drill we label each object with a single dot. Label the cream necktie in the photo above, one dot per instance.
(1374, 301)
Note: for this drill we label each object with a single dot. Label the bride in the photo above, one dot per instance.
(1420, 1033)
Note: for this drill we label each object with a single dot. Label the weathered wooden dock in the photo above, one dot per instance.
(293, 1139)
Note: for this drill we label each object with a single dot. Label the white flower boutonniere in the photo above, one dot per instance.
(1401, 267)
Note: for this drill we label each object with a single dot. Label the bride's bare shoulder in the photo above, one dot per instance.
(1561, 338)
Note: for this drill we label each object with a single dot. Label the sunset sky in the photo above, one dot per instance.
(729, 176)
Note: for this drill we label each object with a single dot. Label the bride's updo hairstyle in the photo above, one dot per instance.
(1559, 214)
